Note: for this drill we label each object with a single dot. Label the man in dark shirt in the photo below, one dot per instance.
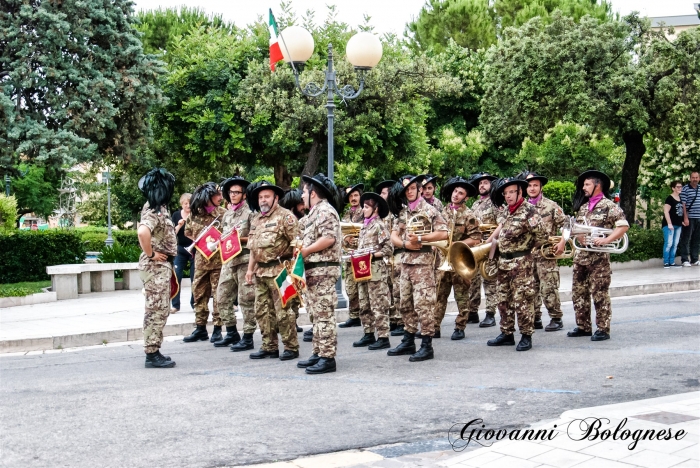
(183, 258)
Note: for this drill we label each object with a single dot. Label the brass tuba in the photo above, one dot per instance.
(467, 261)
(590, 233)
(547, 249)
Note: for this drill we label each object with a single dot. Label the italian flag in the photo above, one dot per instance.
(285, 280)
(275, 51)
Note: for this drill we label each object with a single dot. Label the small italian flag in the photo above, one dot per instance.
(275, 51)
(285, 280)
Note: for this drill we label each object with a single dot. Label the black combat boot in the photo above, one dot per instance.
(489, 321)
(199, 334)
(262, 354)
(554, 325)
(381, 343)
(473, 317)
(425, 352)
(418, 335)
(244, 344)
(502, 340)
(436, 333)
(578, 332)
(457, 335)
(600, 335)
(392, 326)
(398, 331)
(309, 362)
(232, 337)
(158, 360)
(216, 334)
(323, 366)
(525, 343)
(407, 345)
(366, 340)
(351, 322)
(167, 358)
(299, 329)
(288, 355)
(309, 335)
(538, 323)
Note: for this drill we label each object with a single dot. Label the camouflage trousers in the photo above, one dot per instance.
(375, 303)
(446, 281)
(516, 296)
(273, 319)
(294, 305)
(547, 288)
(395, 315)
(418, 298)
(204, 286)
(156, 283)
(233, 288)
(592, 280)
(489, 290)
(322, 298)
(351, 291)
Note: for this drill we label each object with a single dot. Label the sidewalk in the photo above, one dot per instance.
(564, 450)
(99, 318)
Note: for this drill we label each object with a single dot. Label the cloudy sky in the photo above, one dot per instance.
(387, 15)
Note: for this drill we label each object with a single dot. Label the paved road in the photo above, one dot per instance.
(100, 407)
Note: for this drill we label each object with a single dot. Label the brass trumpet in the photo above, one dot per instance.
(547, 249)
(468, 261)
(210, 245)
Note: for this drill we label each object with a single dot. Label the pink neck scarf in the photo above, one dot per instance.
(369, 220)
(484, 197)
(535, 201)
(209, 209)
(593, 201)
(429, 200)
(235, 207)
(412, 205)
(454, 207)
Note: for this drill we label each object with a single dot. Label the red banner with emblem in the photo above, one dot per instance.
(361, 267)
(208, 244)
(230, 246)
(174, 285)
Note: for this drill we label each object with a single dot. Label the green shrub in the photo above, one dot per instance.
(15, 292)
(119, 254)
(26, 254)
(562, 193)
(8, 212)
(22, 289)
(126, 237)
(94, 241)
(644, 244)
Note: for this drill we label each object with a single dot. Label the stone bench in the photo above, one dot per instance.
(67, 281)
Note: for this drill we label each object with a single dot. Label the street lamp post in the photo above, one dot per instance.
(364, 50)
(7, 185)
(109, 241)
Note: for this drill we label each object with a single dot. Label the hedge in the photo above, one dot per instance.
(26, 254)
(94, 237)
(645, 244)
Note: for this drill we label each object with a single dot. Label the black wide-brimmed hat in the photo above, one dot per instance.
(291, 199)
(408, 180)
(594, 174)
(428, 178)
(352, 188)
(327, 188)
(479, 176)
(381, 203)
(384, 184)
(454, 182)
(500, 185)
(264, 185)
(528, 176)
(235, 180)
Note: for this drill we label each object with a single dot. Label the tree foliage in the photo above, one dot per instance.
(35, 189)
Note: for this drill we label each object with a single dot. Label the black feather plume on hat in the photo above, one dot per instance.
(252, 204)
(396, 199)
(201, 196)
(157, 186)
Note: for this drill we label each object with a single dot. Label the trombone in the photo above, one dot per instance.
(210, 245)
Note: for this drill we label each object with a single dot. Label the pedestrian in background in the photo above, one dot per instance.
(183, 260)
(690, 236)
(672, 223)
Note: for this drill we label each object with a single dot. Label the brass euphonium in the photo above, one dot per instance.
(467, 261)
(420, 225)
(589, 233)
(547, 249)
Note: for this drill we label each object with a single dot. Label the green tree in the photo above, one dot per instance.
(76, 84)
(619, 77)
(36, 190)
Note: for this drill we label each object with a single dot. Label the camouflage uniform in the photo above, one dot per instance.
(547, 271)
(156, 275)
(374, 294)
(352, 216)
(270, 239)
(592, 273)
(520, 232)
(232, 284)
(393, 278)
(418, 295)
(322, 272)
(206, 272)
(466, 227)
(486, 213)
(435, 203)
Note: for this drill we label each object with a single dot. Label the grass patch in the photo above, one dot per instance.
(23, 289)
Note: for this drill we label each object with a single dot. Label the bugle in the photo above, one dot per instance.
(202, 233)
(467, 261)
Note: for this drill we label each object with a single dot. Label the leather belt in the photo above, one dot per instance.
(512, 255)
(312, 265)
(399, 250)
(273, 263)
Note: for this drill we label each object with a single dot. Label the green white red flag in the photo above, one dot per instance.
(285, 281)
(275, 51)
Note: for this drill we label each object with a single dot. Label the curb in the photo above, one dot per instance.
(135, 334)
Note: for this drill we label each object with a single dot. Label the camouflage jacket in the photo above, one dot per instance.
(271, 238)
(322, 221)
(485, 211)
(436, 203)
(553, 217)
(353, 216)
(520, 231)
(419, 257)
(194, 225)
(466, 224)
(606, 214)
(238, 219)
(163, 238)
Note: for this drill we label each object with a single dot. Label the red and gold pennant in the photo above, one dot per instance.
(230, 246)
(208, 244)
(362, 267)
(174, 285)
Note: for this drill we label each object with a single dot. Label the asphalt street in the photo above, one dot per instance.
(101, 407)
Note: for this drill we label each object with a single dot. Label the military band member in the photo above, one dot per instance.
(395, 320)
(272, 234)
(418, 297)
(429, 188)
(465, 228)
(374, 294)
(547, 270)
(158, 242)
(592, 273)
(232, 285)
(518, 233)
(293, 202)
(486, 213)
(321, 238)
(352, 215)
(205, 206)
